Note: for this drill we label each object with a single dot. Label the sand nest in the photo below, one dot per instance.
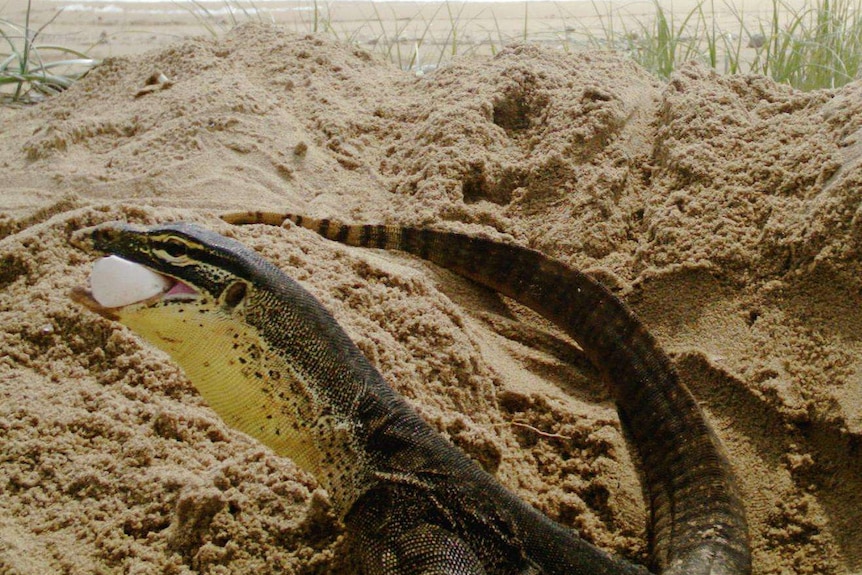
(726, 211)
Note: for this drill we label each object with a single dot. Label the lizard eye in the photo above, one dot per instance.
(175, 248)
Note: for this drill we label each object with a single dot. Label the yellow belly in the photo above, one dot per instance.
(253, 389)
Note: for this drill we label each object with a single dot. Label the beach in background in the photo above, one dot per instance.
(412, 34)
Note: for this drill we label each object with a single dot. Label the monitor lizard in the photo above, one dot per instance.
(274, 363)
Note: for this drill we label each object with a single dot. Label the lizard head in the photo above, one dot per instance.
(173, 266)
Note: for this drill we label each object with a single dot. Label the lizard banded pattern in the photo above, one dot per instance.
(273, 363)
(697, 520)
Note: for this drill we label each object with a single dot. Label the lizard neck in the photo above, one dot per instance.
(274, 383)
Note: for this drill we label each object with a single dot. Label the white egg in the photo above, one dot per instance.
(115, 282)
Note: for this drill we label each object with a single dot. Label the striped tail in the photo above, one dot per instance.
(697, 520)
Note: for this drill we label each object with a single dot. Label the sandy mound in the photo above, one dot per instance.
(725, 210)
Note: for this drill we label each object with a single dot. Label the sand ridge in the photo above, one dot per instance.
(724, 210)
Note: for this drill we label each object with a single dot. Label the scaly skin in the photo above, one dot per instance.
(697, 521)
(274, 363)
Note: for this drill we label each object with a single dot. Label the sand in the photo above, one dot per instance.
(725, 210)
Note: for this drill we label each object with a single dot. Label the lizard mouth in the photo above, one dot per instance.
(116, 283)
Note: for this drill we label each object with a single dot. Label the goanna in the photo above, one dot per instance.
(274, 363)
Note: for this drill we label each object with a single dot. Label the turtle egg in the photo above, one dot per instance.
(115, 282)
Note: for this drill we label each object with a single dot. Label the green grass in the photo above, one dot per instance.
(816, 46)
(820, 47)
(30, 70)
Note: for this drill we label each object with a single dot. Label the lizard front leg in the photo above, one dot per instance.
(422, 550)
(393, 536)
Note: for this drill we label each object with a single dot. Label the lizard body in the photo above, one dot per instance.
(287, 374)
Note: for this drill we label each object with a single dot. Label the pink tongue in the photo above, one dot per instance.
(180, 288)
